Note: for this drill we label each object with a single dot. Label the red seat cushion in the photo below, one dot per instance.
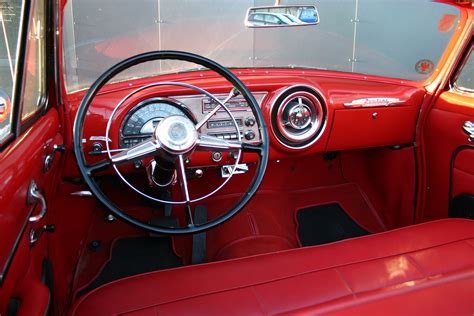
(422, 267)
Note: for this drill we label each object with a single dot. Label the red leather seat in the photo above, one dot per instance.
(422, 269)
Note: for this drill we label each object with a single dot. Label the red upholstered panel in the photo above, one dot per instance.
(443, 135)
(463, 172)
(453, 297)
(435, 258)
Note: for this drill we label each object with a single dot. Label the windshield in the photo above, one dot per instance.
(400, 39)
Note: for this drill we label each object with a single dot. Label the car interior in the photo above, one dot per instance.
(236, 157)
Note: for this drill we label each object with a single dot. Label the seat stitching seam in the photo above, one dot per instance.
(417, 265)
(271, 280)
(345, 281)
(252, 223)
(395, 291)
(279, 279)
(259, 300)
(400, 291)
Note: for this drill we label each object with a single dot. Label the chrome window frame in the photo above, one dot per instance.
(453, 86)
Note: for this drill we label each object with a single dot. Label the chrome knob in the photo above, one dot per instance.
(216, 156)
(198, 173)
(249, 135)
(249, 121)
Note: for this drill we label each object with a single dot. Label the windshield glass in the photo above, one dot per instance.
(393, 38)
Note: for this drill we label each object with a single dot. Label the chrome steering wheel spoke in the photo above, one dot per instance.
(183, 181)
(182, 177)
(213, 143)
(232, 94)
(173, 142)
(142, 150)
(175, 136)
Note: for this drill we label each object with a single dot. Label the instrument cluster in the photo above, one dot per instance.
(141, 121)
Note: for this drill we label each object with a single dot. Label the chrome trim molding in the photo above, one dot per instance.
(468, 128)
(372, 102)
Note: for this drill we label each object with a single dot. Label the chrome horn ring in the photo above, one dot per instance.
(162, 142)
(89, 170)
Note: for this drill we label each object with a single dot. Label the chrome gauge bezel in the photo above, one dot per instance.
(286, 128)
(293, 138)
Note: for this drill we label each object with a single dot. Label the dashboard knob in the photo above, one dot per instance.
(96, 149)
(198, 173)
(249, 135)
(249, 121)
(216, 156)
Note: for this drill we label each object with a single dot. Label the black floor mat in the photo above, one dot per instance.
(326, 223)
(131, 256)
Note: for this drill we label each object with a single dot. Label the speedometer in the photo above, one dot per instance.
(140, 123)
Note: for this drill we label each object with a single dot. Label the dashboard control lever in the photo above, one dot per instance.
(226, 170)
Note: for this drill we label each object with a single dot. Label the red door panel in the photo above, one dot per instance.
(20, 262)
(444, 136)
(461, 195)
(462, 176)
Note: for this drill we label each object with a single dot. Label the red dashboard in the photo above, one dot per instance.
(355, 111)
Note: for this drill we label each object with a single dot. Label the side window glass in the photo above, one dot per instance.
(10, 13)
(465, 80)
(34, 84)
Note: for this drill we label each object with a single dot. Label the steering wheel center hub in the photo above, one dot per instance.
(176, 134)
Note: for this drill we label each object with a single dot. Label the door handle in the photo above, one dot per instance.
(468, 127)
(35, 196)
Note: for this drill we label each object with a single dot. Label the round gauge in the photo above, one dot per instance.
(299, 116)
(142, 120)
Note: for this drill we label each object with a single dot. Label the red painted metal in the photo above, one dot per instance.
(395, 124)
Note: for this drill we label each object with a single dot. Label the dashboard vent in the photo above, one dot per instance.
(298, 117)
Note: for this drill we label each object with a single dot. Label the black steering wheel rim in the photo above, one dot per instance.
(182, 56)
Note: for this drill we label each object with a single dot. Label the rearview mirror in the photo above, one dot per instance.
(282, 16)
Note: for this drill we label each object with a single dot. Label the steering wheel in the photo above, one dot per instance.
(174, 139)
